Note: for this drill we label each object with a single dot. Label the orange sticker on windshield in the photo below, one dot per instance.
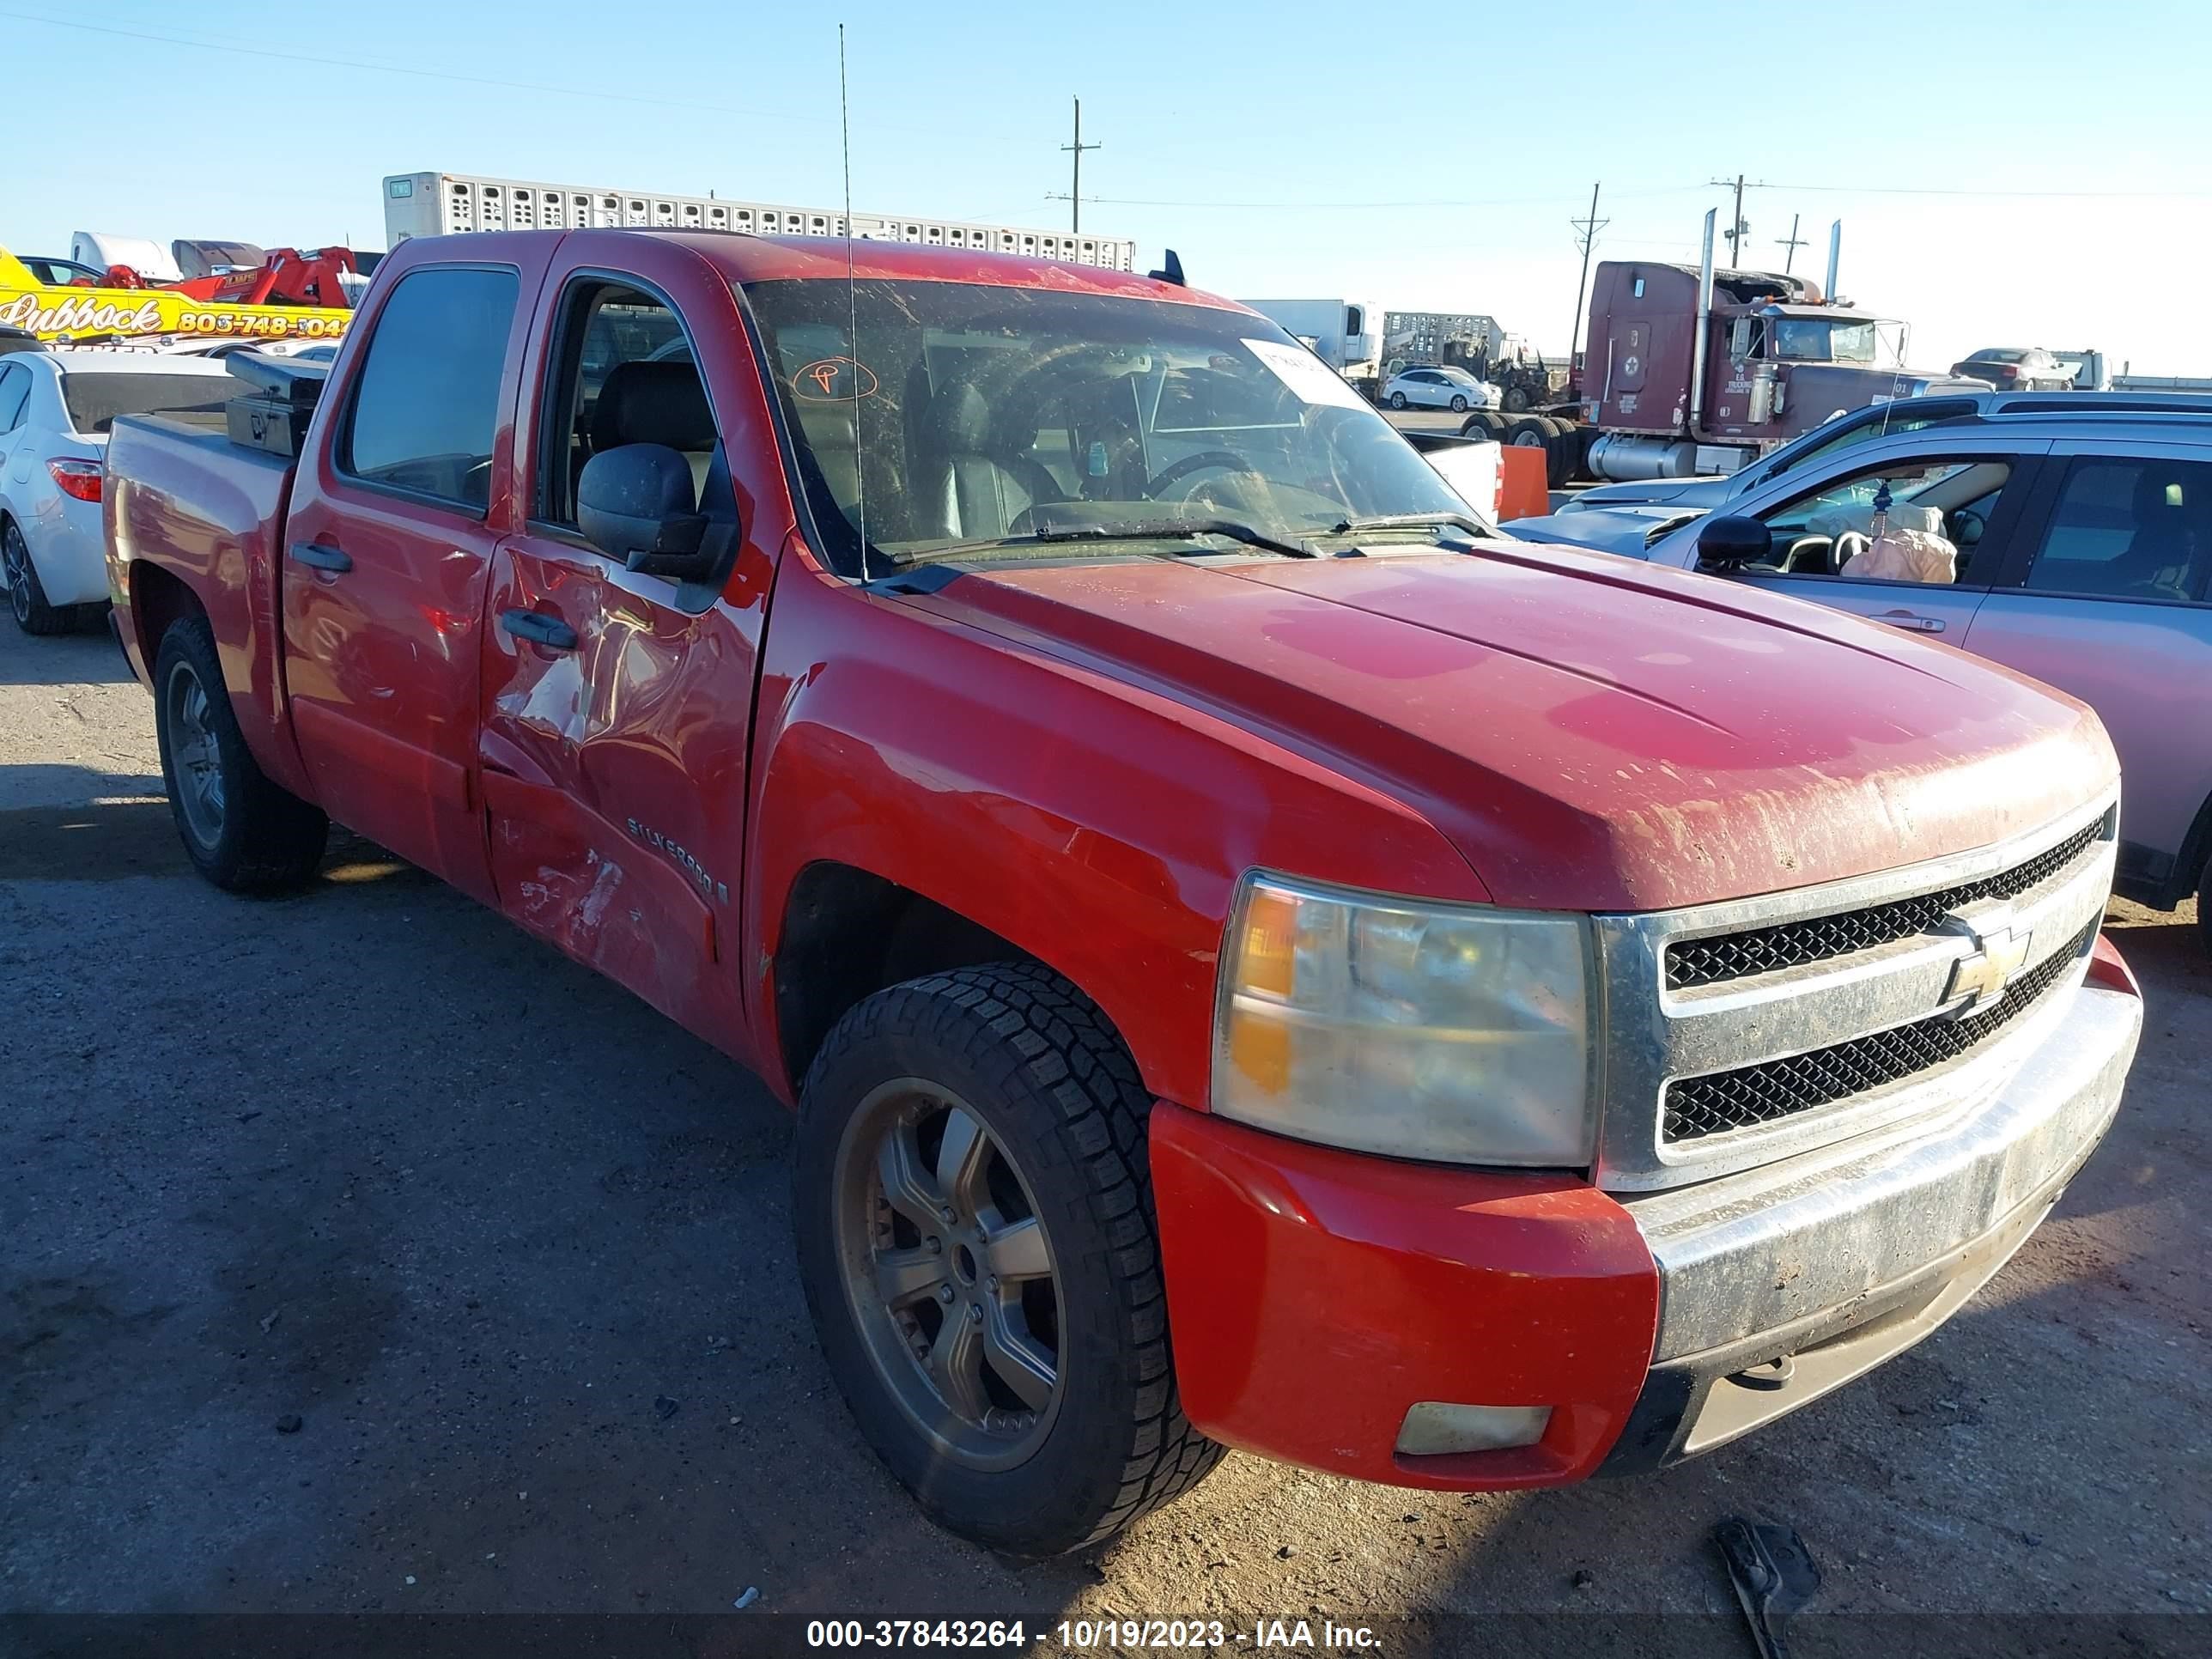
(834, 380)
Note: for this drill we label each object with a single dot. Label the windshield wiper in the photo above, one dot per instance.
(1172, 530)
(1467, 522)
(1118, 530)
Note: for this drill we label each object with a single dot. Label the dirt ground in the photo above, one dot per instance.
(514, 1251)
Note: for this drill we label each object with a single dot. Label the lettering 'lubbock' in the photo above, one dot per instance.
(23, 312)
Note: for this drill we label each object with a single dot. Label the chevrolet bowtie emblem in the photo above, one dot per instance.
(2000, 952)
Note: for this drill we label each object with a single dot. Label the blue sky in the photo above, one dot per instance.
(1421, 157)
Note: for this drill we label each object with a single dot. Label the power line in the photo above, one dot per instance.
(2020, 195)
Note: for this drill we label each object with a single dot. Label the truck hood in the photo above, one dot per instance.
(1590, 734)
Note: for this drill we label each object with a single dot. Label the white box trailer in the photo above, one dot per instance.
(1345, 334)
(443, 204)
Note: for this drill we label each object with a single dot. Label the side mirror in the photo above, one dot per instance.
(636, 503)
(1730, 541)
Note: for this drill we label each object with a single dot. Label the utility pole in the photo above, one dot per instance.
(1789, 246)
(1075, 186)
(1737, 229)
(1586, 231)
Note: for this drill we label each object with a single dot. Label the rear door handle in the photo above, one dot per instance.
(539, 629)
(1910, 623)
(315, 555)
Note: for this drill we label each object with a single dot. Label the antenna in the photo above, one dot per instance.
(852, 302)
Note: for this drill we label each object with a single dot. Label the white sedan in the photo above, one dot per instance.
(56, 407)
(1439, 388)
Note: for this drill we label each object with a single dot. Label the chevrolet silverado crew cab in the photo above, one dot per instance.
(1258, 958)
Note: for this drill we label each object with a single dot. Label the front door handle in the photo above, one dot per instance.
(316, 556)
(1911, 623)
(539, 629)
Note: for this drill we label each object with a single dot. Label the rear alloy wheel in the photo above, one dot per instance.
(26, 599)
(977, 1243)
(240, 832)
(1397, 400)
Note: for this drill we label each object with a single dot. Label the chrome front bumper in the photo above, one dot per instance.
(1832, 1261)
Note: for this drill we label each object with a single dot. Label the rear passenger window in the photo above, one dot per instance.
(427, 402)
(2129, 529)
(14, 392)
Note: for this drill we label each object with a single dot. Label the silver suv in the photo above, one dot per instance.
(2083, 558)
(1628, 518)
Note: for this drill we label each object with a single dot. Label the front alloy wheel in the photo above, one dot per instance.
(976, 1240)
(948, 1274)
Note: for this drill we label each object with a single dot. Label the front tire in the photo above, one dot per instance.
(973, 1207)
(27, 598)
(240, 832)
(1458, 406)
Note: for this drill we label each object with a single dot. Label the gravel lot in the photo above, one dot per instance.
(514, 1251)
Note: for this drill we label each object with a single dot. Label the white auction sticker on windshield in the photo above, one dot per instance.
(1306, 374)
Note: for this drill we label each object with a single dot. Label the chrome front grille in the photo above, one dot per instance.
(1763, 949)
(1720, 1101)
(1742, 1032)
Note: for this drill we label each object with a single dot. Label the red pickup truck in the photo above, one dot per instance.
(1258, 959)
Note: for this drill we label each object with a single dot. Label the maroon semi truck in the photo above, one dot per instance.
(1687, 370)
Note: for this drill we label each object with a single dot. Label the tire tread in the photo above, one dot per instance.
(1047, 1028)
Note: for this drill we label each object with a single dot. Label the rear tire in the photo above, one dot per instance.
(1035, 1416)
(240, 832)
(26, 599)
(1397, 400)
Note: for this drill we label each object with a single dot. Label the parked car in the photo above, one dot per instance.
(62, 273)
(2017, 369)
(56, 408)
(2084, 559)
(1441, 388)
(1627, 518)
(1258, 959)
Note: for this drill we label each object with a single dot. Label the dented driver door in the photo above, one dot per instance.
(617, 705)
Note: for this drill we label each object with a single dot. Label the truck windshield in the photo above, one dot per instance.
(1806, 341)
(965, 407)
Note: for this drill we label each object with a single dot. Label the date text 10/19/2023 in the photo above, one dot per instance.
(1076, 1635)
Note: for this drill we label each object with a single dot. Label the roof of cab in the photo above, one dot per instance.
(748, 258)
(742, 256)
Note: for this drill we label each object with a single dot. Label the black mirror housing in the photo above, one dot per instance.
(1731, 541)
(636, 503)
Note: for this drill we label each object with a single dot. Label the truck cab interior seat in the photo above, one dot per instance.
(657, 403)
(983, 490)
